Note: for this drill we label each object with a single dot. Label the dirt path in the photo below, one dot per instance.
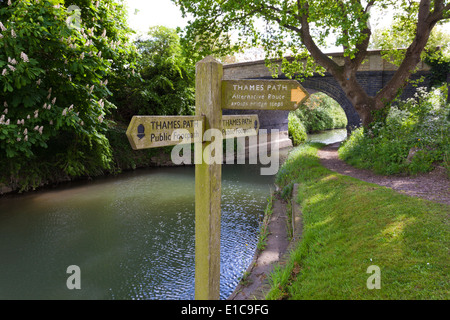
(434, 186)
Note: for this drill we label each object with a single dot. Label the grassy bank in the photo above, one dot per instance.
(349, 225)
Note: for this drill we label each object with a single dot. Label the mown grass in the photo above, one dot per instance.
(349, 225)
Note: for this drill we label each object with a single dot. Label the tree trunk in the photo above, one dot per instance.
(361, 101)
(366, 106)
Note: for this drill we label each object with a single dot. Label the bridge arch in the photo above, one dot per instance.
(373, 75)
(330, 87)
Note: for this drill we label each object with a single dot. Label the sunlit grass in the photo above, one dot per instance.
(349, 225)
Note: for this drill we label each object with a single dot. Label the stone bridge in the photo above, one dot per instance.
(373, 75)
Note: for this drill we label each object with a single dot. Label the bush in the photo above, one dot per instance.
(167, 79)
(321, 113)
(54, 97)
(297, 131)
(414, 138)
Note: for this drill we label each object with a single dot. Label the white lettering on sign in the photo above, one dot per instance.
(262, 94)
(159, 131)
(251, 87)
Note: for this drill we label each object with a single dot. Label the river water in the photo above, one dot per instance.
(329, 136)
(132, 236)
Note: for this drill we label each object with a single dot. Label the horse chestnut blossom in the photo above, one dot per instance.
(24, 57)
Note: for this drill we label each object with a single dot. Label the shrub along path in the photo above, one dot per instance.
(434, 186)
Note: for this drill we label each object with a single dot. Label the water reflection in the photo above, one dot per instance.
(132, 235)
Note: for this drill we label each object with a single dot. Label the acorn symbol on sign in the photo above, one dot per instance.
(256, 125)
(141, 131)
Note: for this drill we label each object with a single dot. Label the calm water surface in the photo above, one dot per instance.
(329, 136)
(132, 235)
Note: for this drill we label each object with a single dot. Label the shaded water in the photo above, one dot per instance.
(132, 236)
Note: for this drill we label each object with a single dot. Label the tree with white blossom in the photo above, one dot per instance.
(53, 83)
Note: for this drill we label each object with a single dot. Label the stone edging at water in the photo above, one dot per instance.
(256, 283)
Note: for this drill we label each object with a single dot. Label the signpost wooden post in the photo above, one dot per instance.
(208, 176)
(212, 95)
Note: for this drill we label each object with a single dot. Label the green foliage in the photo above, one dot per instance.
(320, 112)
(296, 33)
(296, 129)
(401, 33)
(214, 21)
(418, 127)
(264, 228)
(440, 67)
(126, 159)
(53, 85)
(167, 82)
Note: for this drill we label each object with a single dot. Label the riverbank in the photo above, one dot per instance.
(161, 158)
(350, 226)
(124, 159)
(281, 229)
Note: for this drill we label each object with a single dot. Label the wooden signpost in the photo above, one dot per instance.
(262, 94)
(212, 95)
(159, 131)
(234, 126)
